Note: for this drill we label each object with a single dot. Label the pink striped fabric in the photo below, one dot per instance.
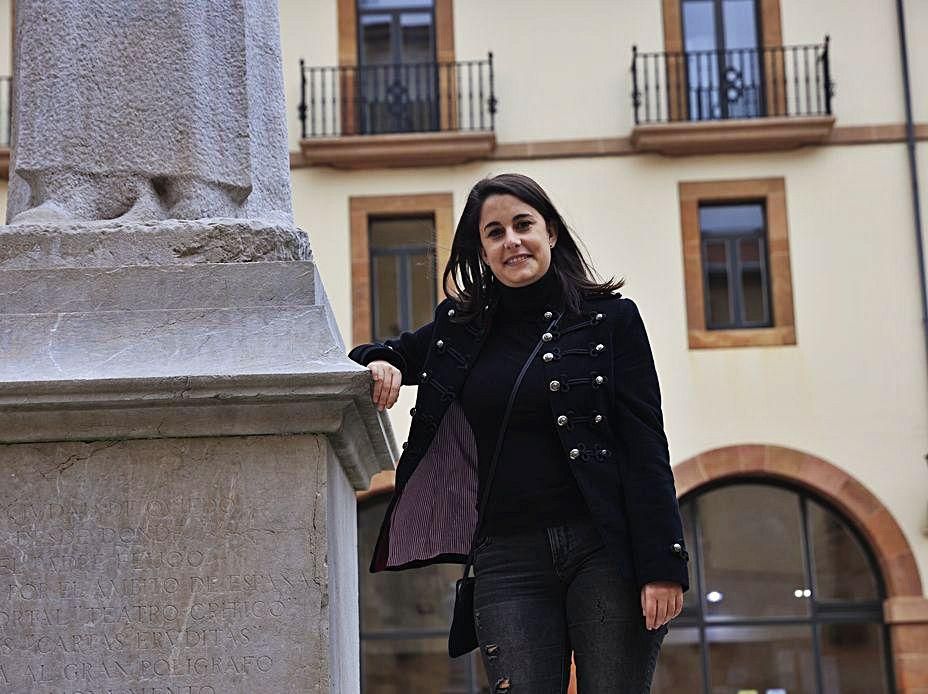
(437, 510)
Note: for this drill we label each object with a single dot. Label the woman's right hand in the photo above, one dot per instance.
(387, 382)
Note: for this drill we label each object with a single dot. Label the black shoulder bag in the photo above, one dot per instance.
(463, 636)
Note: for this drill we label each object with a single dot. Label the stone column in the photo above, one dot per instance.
(181, 434)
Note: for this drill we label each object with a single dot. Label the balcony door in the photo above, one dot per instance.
(721, 40)
(397, 72)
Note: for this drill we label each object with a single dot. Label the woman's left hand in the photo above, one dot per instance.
(661, 602)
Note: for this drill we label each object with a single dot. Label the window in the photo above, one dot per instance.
(399, 246)
(405, 619)
(397, 72)
(403, 288)
(785, 596)
(734, 258)
(736, 263)
(721, 39)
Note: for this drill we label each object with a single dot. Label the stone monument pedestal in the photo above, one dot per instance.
(181, 436)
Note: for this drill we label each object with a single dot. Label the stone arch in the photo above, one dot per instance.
(905, 610)
(862, 508)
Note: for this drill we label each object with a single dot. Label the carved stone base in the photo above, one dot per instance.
(181, 436)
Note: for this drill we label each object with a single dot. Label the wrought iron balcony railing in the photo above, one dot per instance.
(397, 98)
(736, 83)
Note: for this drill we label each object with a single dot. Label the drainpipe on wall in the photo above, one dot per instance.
(913, 177)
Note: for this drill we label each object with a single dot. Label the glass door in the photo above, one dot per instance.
(397, 74)
(721, 41)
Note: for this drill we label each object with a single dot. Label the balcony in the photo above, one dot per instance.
(411, 114)
(740, 100)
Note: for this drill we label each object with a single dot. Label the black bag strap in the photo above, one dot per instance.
(484, 499)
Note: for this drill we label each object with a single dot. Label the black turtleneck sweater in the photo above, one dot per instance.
(533, 486)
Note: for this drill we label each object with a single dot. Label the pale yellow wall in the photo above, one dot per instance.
(864, 53)
(562, 68)
(916, 20)
(309, 30)
(852, 390)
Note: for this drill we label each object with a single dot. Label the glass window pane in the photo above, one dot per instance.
(719, 313)
(385, 291)
(393, 4)
(679, 666)
(698, 25)
(842, 571)
(397, 666)
(731, 219)
(749, 250)
(408, 600)
(752, 295)
(375, 41)
(739, 18)
(690, 597)
(752, 552)
(853, 659)
(402, 232)
(761, 659)
(417, 37)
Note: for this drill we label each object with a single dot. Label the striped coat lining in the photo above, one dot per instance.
(436, 512)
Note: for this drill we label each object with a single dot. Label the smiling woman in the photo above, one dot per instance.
(536, 455)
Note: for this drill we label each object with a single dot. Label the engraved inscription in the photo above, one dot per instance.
(115, 578)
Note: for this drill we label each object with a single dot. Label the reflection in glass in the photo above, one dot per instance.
(842, 571)
(404, 621)
(400, 666)
(719, 297)
(752, 546)
(752, 289)
(761, 658)
(679, 667)
(852, 659)
(403, 284)
(741, 219)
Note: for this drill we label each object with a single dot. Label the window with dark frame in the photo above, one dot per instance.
(735, 268)
(785, 596)
(405, 617)
(397, 70)
(403, 271)
(722, 46)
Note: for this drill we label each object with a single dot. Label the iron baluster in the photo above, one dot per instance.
(805, 59)
(657, 86)
(322, 100)
(333, 83)
(470, 94)
(480, 86)
(492, 92)
(796, 91)
(636, 97)
(301, 109)
(647, 90)
(785, 83)
(826, 69)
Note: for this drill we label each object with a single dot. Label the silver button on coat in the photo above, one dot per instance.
(574, 453)
(554, 386)
(561, 420)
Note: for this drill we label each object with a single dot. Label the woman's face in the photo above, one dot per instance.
(514, 240)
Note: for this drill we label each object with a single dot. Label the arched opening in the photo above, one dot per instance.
(904, 608)
(785, 597)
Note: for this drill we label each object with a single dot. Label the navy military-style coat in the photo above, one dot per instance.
(605, 406)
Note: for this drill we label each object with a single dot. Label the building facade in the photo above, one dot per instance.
(745, 165)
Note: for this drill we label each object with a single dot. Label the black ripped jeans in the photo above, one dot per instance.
(544, 593)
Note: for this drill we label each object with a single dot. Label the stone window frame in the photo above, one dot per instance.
(361, 209)
(772, 191)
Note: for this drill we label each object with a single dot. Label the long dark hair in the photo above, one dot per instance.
(469, 281)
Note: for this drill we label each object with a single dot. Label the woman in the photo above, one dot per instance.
(537, 376)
